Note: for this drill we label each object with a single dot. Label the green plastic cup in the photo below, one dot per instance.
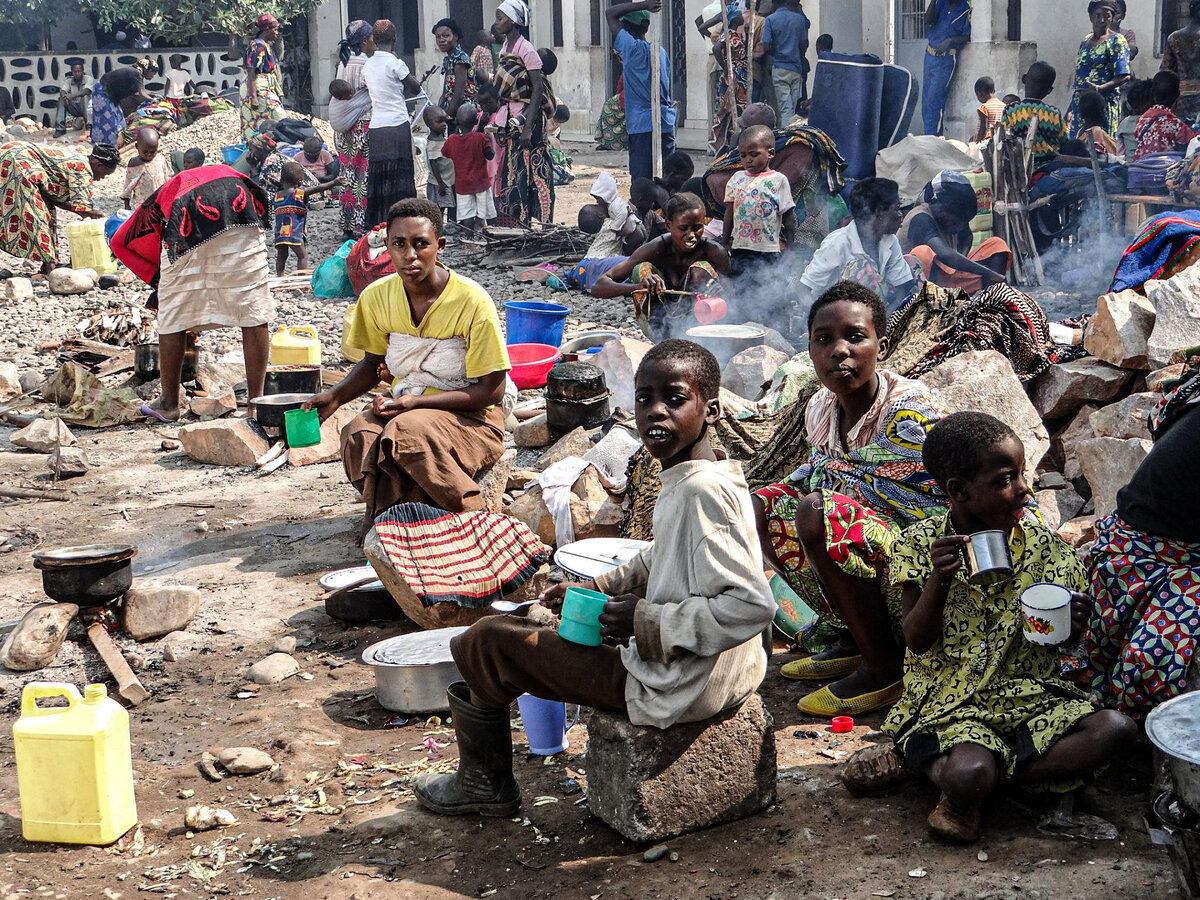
(303, 427)
(581, 616)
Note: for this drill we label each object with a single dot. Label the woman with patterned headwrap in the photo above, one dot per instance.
(1102, 65)
(350, 119)
(35, 182)
(116, 94)
(261, 91)
(937, 231)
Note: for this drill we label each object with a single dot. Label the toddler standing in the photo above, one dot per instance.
(760, 217)
(146, 172)
(291, 214)
(469, 151)
(440, 186)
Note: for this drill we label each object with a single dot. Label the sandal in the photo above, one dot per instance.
(874, 770)
(812, 669)
(949, 824)
(826, 704)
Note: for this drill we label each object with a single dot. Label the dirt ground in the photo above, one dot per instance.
(335, 818)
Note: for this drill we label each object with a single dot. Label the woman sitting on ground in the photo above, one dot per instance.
(682, 260)
(439, 335)
(828, 529)
(937, 231)
(1144, 567)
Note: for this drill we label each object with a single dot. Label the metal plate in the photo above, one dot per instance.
(335, 581)
(1174, 727)
(597, 556)
(421, 648)
(84, 555)
(729, 332)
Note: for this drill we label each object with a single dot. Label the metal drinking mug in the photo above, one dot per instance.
(988, 559)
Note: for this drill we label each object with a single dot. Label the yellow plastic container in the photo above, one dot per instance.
(295, 346)
(89, 249)
(74, 770)
(354, 354)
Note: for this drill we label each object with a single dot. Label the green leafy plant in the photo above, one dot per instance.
(184, 18)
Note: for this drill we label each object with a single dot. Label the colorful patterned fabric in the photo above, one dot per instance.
(1146, 618)
(107, 118)
(868, 495)
(1162, 240)
(467, 558)
(515, 85)
(291, 215)
(450, 77)
(1099, 65)
(1052, 130)
(1160, 131)
(983, 682)
(759, 204)
(34, 179)
(161, 115)
(483, 63)
(352, 157)
(268, 107)
(735, 46)
(661, 318)
(527, 179)
(610, 127)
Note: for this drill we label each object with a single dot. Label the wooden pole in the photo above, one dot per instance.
(655, 102)
(749, 53)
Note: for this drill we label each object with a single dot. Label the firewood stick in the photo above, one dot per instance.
(128, 686)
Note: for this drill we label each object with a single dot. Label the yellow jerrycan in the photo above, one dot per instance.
(74, 769)
(295, 346)
(89, 249)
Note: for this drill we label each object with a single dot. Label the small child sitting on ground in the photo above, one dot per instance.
(145, 173)
(1093, 112)
(193, 158)
(677, 169)
(760, 216)
(687, 613)
(440, 186)
(469, 151)
(620, 231)
(291, 214)
(1139, 97)
(1159, 130)
(990, 108)
(981, 701)
(316, 158)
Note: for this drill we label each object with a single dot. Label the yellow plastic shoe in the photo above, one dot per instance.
(826, 704)
(812, 669)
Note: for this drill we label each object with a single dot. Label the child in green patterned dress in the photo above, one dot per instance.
(981, 702)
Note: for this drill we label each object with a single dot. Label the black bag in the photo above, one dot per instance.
(293, 131)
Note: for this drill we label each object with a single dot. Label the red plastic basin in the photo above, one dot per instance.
(531, 363)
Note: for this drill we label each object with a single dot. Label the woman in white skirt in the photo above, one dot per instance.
(199, 242)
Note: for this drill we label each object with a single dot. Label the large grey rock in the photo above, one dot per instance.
(273, 669)
(223, 442)
(152, 610)
(1108, 464)
(651, 784)
(217, 402)
(439, 615)
(67, 462)
(751, 370)
(588, 496)
(1059, 506)
(1069, 437)
(44, 435)
(1062, 389)
(1177, 315)
(1126, 418)
(493, 480)
(16, 289)
(1119, 331)
(573, 443)
(984, 380)
(533, 432)
(71, 281)
(245, 760)
(37, 638)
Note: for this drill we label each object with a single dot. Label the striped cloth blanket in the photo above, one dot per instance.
(467, 558)
(1162, 241)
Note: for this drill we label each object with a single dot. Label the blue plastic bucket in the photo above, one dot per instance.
(232, 153)
(534, 322)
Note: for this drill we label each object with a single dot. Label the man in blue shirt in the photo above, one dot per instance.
(948, 30)
(785, 37)
(628, 23)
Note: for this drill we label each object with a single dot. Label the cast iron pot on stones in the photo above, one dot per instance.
(91, 575)
(298, 379)
(576, 397)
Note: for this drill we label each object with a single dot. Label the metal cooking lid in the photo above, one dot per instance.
(335, 581)
(732, 332)
(421, 648)
(280, 399)
(86, 555)
(597, 556)
(1174, 727)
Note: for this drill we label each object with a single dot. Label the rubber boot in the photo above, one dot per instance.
(484, 782)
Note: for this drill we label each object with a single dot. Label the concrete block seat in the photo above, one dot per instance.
(651, 784)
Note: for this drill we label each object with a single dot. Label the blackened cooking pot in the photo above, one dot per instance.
(91, 575)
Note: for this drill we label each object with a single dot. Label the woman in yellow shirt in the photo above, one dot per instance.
(439, 336)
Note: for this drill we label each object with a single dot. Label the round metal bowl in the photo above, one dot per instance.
(412, 671)
(91, 575)
(1174, 728)
(269, 410)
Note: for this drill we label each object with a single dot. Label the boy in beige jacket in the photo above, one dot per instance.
(688, 612)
